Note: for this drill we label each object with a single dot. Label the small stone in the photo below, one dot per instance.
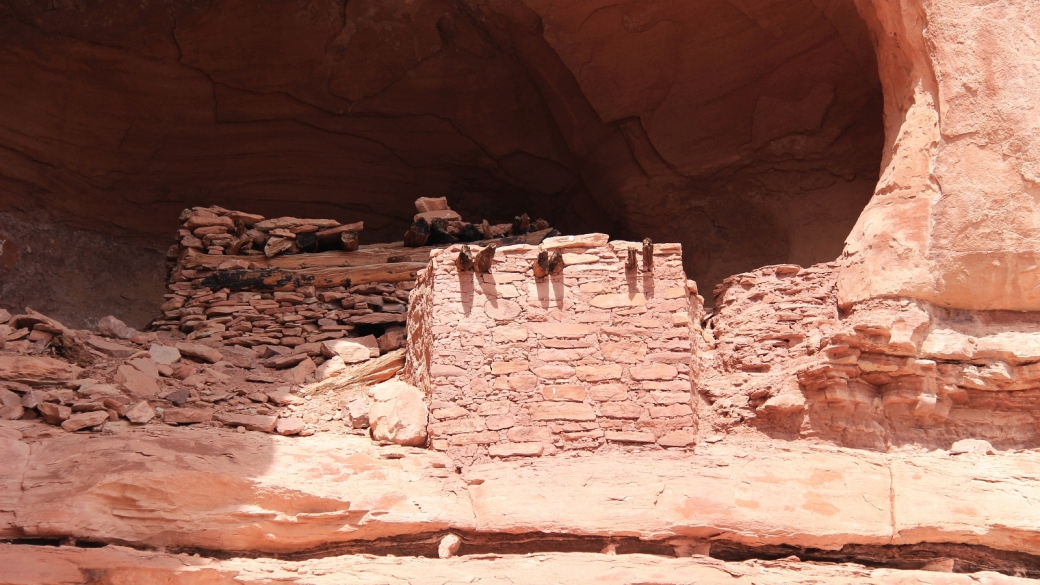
(331, 367)
(285, 361)
(351, 351)
(140, 413)
(299, 373)
(111, 327)
(289, 426)
(186, 415)
(112, 349)
(282, 397)
(163, 354)
(54, 414)
(136, 382)
(356, 414)
(146, 366)
(253, 422)
(84, 420)
(240, 357)
(13, 412)
(976, 446)
(200, 352)
(178, 397)
(449, 546)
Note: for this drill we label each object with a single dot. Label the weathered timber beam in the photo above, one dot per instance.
(364, 255)
(278, 278)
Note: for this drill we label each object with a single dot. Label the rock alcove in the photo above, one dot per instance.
(749, 131)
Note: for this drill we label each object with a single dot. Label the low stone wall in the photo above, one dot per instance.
(598, 354)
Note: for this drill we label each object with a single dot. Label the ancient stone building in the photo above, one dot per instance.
(729, 292)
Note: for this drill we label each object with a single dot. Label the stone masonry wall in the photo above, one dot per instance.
(595, 356)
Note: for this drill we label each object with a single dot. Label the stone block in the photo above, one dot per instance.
(502, 309)
(629, 437)
(458, 426)
(516, 449)
(670, 411)
(497, 423)
(625, 352)
(398, 413)
(497, 407)
(562, 329)
(571, 392)
(629, 410)
(598, 373)
(481, 438)
(561, 411)
(609, 392)
(529, 434)
(502, 368)
(679, 438)
(509, 334)
(618, 300)
(554, 372)
(653, 371)
(449, 412)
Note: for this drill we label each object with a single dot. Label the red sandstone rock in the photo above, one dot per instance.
(84, 420)
(200, 352)
(398, 414)
(140, 413)
(186, 415)
(36, 370)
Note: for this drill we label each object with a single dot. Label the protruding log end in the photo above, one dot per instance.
(521, 224)
(541, 265)
(632, 262)
(349, 241)
(648, 255)
(556, 263)
(418, 234)
(465, 260)
(482, 263)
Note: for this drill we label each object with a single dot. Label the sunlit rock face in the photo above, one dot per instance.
(749, 131)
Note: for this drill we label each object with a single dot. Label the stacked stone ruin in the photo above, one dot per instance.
(575, 343)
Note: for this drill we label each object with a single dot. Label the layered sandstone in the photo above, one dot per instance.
(724, 127)
(213, 490)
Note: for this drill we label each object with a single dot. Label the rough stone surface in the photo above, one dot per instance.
(82, 566)
(727, 129)
(750, 493)
(398, 414)
(599, 356)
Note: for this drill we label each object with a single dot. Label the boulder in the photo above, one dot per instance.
(111, 327)
(398, 414)
(36, 370)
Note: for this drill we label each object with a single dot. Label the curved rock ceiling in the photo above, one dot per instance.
(749, 130)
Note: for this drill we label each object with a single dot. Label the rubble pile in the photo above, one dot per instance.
(255, 334)
(437, 224)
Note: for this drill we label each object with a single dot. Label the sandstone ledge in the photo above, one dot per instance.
(254, 493)
(29, 565)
